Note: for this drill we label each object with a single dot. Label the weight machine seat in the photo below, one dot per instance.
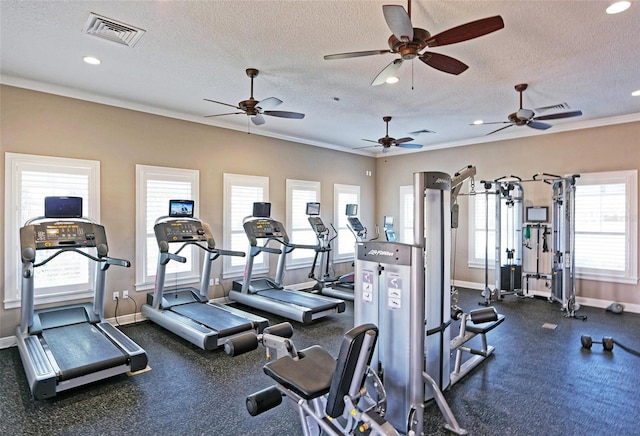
(316, 372)
(309, 376)
(484, 327)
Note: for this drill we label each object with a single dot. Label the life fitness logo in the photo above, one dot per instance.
(440, 180)
(380, 253)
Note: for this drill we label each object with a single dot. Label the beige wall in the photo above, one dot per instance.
(44, 124)
(608, 148)
(38, 123)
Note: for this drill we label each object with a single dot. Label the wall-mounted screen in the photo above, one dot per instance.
(181, 208)
(313, 209)
(261, 210)
(537, 214)
(388, 222)
(63, 207)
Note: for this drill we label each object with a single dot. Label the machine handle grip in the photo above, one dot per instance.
(229, 253)
(271, 250)
(177, 257)
(118, 262)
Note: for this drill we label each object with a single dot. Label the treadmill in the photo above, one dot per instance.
(69, 346)
(268, 294)
(187, 312)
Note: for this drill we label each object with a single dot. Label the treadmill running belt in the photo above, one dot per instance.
(299, 298)
(225, 323)
(81, 349)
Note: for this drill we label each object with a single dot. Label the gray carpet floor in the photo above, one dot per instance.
(539, 382)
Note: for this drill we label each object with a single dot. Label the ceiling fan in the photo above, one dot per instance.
(254, 108)
(387, 141)
(407, 41)
(526, 117)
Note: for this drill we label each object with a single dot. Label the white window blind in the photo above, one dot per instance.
(405, 227)
(478, 228)
(299, 193)
(606, 226)
(344, 248)
(29, 179)
(155, 187)
(240, 192)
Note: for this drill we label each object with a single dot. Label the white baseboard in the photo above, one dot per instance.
(583, 301)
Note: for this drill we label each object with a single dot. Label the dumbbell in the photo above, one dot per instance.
(607, 342)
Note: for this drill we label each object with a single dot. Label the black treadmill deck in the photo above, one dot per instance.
(220, 320)
(81, 349)
(299, 298)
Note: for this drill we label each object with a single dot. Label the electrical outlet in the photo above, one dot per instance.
(116, 295)
(125, 294)
(216, 281)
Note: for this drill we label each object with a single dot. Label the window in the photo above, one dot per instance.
(299, 193)
(482, 232)
(28, 180)
(344, 248)
(155, 186)
(240, 192)
(405, 225)
(606, 214)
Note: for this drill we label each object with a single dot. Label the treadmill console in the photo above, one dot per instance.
(355, 224)
(77, 234)
(60, 235)
(317, 225)
(260, 228)
(182, 230)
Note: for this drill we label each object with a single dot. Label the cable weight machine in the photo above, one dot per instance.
(513, 233)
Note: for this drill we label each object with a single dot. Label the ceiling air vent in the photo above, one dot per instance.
(112, 30)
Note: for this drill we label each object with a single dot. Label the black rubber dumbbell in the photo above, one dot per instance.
(607, 342)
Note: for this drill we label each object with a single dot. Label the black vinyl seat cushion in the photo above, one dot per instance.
(309, 376)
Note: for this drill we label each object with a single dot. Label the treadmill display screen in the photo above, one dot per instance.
(181, 208)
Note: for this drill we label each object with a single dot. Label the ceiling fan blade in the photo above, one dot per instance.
(219, 102)
(560, 115)
(538, 125)
(402, 140)
(492, 122)
(398, 21)
(387, 72)
(356, 54)
(371, 140)
(283, 114)
(257, 120)
(443, 63)
(219, 115)
(466, 31)
(270, 102)
(501, 128)
(414, 146)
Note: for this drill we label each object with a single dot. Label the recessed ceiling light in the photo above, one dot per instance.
(636, 93)
(618, 7)
(91, 60)
(392, 80)
(478, 122)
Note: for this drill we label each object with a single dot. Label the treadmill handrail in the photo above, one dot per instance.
(62, 250)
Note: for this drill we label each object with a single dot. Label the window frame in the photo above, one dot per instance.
(15, 164)
(630, 179)
(145, 280)
(339, 219)
(474, 261)
(297, 262)
(230, 180)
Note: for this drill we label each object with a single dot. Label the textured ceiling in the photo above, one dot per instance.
(567, 51)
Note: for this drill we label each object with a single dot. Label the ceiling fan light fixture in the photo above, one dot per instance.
(617, 7)
(391, 80)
